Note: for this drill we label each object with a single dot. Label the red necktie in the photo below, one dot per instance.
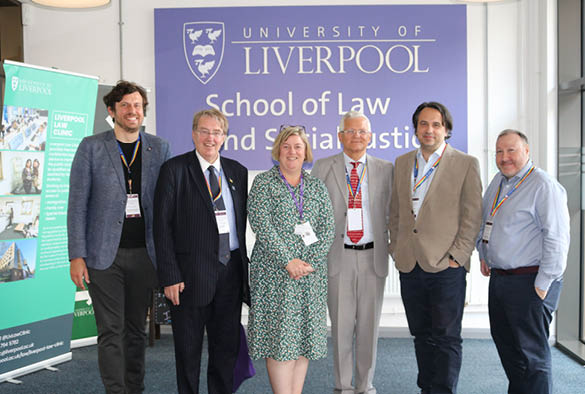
(355, 202)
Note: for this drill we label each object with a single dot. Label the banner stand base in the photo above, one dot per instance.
(45, 364)
(89, 341)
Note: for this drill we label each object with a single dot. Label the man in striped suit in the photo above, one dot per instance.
(199, 232)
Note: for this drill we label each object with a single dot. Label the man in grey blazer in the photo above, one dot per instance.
(109, 224)
(360, 186)
(435, 215)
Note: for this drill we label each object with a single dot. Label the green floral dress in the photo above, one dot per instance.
(288, 318)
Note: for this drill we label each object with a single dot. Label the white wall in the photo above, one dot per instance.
(511, 66)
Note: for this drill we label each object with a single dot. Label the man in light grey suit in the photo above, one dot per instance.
(109, 224)
(360, 186)
(435, 215)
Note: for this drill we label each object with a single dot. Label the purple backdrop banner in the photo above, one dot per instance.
(268, 66)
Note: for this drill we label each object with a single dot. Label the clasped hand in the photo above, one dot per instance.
(297, 268)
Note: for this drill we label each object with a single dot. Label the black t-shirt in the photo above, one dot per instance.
(133, 231)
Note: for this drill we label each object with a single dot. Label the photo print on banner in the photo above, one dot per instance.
(23, 128)
(23, 135)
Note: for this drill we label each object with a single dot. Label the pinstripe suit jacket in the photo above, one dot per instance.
(185, 230)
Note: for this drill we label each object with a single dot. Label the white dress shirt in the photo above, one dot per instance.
(225, 193)
(423, 167)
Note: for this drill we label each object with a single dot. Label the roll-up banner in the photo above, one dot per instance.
(46, 113)
(265, 67)
(84, 327)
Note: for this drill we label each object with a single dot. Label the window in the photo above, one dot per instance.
(571, 312)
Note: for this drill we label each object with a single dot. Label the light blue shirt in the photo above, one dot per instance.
(368, 236)
(531, 228)
(226, 195)
(423, 167)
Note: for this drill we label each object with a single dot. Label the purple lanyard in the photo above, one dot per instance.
(299, 202)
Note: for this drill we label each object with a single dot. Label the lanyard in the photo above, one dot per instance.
(299, 202)
(355, 192)
(429, 172)
(495, 204)
(123, 157)
(209, 188)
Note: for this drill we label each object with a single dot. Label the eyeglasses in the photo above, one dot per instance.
(352, 132)
(213, 133)
(287, 126)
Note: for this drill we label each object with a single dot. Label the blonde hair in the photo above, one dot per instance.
(283, 136)
(212, 113)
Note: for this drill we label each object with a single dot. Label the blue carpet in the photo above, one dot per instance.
(481, 372)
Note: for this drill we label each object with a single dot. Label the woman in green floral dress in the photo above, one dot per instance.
(291, 215)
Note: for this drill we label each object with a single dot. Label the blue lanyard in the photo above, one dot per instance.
(429, 172)
(360, 181)
(128, 165)
(495, 204)
(209, 187)
(123, 156)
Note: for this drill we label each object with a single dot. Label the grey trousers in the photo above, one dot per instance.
(355, 298)
(121, 295)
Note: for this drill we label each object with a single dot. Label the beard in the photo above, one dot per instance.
(126, 128)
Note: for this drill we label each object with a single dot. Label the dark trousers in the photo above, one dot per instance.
(519, 321)
(121, 295)
(434, 309)
(221, 320)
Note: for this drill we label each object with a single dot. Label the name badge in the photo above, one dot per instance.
(415, 205)
(132, 206)
(354, 219)
(306, 232)
(223, 226)
(487, 231)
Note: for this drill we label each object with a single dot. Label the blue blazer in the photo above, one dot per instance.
(97, 196)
